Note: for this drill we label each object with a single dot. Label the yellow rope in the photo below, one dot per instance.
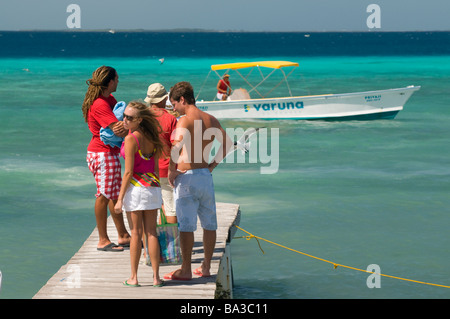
(335, 265)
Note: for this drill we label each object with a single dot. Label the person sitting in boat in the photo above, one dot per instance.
(224, 88)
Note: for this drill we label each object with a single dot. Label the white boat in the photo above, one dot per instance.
(381, 104)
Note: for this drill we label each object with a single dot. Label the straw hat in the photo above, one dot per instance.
(156, 93)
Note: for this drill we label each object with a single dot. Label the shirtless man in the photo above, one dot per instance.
(190, 175)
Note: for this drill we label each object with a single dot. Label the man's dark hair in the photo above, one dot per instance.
(183, 89)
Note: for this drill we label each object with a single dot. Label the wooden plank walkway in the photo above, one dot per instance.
(91, 274)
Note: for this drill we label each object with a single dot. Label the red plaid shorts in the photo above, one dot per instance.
(106, 169)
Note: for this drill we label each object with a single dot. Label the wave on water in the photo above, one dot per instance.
(41, 178)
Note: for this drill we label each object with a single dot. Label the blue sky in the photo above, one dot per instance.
(233, 15)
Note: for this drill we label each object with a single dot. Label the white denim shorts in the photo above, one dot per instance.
(142, 198)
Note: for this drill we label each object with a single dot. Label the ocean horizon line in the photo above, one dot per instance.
(199, 30)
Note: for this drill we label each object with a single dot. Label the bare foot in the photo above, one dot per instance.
(158, 282)
(124, 240)
(202, 273)
(178, 275)
(131, 283)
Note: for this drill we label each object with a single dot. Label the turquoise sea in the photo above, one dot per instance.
(355, 193)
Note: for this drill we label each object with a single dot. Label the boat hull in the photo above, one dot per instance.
(382, 104)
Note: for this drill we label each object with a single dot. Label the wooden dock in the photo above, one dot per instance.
(92, 274)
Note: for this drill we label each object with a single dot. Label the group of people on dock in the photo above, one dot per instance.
(153, 178)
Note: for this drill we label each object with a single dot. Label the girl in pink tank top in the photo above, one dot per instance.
(140, 192)
(142, 163)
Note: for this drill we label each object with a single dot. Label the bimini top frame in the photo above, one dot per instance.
(275, 65)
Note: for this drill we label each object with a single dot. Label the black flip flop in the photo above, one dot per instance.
(110, 247)
(125, 246)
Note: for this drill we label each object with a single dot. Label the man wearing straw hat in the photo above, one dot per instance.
(157, 98)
